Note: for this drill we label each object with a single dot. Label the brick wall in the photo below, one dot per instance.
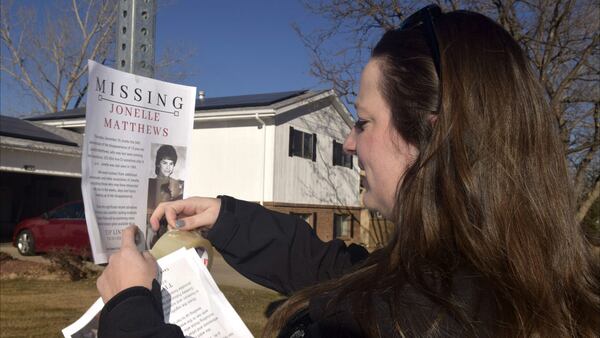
(321, 218)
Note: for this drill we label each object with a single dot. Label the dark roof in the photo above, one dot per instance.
(240, 101)
(17, 128)
(65, 114)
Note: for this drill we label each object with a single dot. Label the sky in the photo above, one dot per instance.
(240, 47)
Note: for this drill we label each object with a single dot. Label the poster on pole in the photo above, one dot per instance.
(136, 147)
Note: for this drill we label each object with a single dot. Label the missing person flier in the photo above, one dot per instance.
(137, 136)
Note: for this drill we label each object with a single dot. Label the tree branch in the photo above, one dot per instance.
(588, 200)
(590, 155)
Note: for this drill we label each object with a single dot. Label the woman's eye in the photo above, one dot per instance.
(360, 124)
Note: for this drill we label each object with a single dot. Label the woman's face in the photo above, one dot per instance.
(382, 152)
(166, 166)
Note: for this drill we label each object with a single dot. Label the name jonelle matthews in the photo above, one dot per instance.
(117, 94)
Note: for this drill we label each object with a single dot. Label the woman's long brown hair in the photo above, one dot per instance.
(489, 190)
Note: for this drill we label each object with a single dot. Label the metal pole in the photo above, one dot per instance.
(136, 25)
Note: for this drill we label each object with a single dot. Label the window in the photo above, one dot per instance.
(70, 211)
(303, 144)
(376, 214)
(361, 183)
(342, 226)
(304, 216)
(340, 157)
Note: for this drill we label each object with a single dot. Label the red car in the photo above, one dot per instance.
(61, 228)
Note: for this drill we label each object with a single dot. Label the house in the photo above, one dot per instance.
(283, 150)
(40, 168)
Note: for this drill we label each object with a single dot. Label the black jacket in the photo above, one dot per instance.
(283, 253)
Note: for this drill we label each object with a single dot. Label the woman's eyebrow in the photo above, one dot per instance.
(359, 109)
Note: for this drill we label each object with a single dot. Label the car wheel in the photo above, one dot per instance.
(26, 243)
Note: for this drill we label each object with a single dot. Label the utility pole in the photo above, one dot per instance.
(136, 25)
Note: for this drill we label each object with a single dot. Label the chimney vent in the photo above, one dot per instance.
(201, 95)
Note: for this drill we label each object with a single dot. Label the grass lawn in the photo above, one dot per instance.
(42, 308)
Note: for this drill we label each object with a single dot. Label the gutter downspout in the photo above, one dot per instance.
(263, 124)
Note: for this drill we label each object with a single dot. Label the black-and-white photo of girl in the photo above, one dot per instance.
(165, 185)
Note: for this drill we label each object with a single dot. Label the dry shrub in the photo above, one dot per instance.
(74, 264)
(5, 257)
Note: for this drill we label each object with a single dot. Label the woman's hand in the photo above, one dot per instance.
(127, 268)
(188, 214)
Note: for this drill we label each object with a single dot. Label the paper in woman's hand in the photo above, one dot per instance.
(191, 299)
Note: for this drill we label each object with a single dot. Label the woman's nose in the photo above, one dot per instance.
(350, 143)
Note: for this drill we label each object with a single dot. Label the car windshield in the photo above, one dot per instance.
(69, 211)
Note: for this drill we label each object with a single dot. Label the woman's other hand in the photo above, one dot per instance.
(188, 214)
(127, 268)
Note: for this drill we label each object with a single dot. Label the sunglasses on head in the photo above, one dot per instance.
(425, 19)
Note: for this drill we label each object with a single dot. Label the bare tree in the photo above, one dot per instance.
(49, 60)
(560, 38)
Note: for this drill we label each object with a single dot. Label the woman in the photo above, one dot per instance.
(163, 187)
(461, 152)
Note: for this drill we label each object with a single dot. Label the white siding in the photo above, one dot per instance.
(300, 180)
(44, 163)
(227, 159)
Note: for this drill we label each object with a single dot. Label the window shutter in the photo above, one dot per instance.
(314, 150)
(335, 150)
(291, 145)
(335, 225)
